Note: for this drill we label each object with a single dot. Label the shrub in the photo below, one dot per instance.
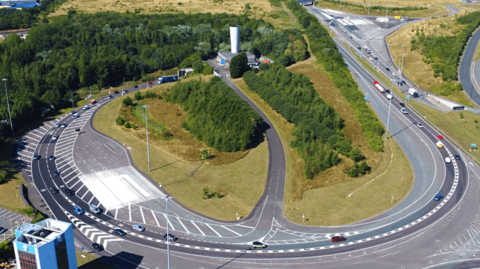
(208, 70)
(138, 96)
(120, 121)
(198, 67)
(239, 65)
(127, 101)
(127, 124)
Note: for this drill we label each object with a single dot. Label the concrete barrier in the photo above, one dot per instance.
(24, 194)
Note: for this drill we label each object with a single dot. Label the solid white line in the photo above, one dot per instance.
(89, 202)
(81, 187)
(245, 226)
(183, 225)
(116, 213)
(34, 139)
(65, 164)
(70, 180)
(230, 230)
(75, 183)
(155, 217)
(197, 227)
(143, 217)
(70, 173)
(212, 229)
(169, 223)
(130, 212)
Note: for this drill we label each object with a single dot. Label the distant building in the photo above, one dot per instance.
(224, 57)
(47, 244)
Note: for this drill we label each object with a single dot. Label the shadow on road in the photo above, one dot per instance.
(232, 260)
(165, 165)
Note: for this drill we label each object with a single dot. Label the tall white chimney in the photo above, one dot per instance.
(234, 38)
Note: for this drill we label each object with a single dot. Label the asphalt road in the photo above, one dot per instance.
(465, 69)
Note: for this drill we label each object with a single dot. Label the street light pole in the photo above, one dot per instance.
(123, 83)
(368, 8)
(340, 5)
(389, 107)
(386, 15)
(8, 105)
(148, 146)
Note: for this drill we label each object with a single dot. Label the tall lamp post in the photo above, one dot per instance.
(368, 8)
(123, 83)
(8, 105)
(389, 107)
(148, 147)
(167, 197)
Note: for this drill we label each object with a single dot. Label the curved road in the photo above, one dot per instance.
(465, 70)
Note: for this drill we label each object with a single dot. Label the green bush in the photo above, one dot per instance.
(120, 121)
(324, 48)
(239, 65)
(138, 96)
(198, 67)
(127, 125)
(127, 101)
(208, 70)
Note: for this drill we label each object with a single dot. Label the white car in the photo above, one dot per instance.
(54, 137)
(393, 73)
(404, 111)
(389, 96)
(370, 58)
(86, 107)
(138, 228)
(420, 125)
(448, 160)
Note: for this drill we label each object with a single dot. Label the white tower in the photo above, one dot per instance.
(234, 38)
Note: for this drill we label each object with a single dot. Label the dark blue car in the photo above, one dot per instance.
(437, 197)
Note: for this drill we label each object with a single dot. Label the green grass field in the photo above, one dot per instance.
(9, 193)
(476, 56)
(243, 181)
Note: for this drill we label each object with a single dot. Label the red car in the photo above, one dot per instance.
(440, 137)
(338, 239)
(149, 83)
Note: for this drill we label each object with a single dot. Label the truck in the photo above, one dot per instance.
(94, 209)
(166, 79)
(379, 88)
(413, 92)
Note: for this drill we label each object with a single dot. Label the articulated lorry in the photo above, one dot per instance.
(378, 87)
(166, 79)
(413, 92)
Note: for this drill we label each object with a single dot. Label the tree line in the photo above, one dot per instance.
(82, 50)
(216, 115)
(444, 52)
(13, 18)
(318, 134)
(325, 49)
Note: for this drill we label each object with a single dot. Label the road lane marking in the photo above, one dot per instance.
(212, 229)
(230, 230)
(197, 227)
(155, 217)
(169, 223)
(183, 225)
(143, 216)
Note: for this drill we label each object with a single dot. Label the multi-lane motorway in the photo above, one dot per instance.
(417, 232)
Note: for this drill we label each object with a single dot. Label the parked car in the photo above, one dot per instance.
(78, 210)
(68, 192)
(36, 156)
(338, 239)
(437, 197)
(53, 190)
(170, 237)
(138, 228)
(119, 232)
(259, 245)
(97, 246)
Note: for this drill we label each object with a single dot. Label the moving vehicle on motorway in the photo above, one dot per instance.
(124, 92)
(420, 95)
(389, 96)
(257, 244)
(56, 173)
(386, 68)
(54, 137)
(439, 144)
(420, 125)
(97, 246)
(51, 158)
(378, 86)
(78, 210)
(75, 116)
(394, 74)
(404, 111)
(94, 209)
(150, 83)
(57, 124)
(338, 239)
(136, 86)
(440, 136)
(68, 192)
(119, 232)
(53, 190)
(93, 101)
(85, 107)
(401, 104)
(36, 156)
(138, 228)
(457, 157)
(170, 237)
(448, 160)
(73, 112)
(115, 92)
(437, 197)
(2, 230)
(370, 58)
(413, 92)
(63, 125)
(110, 97)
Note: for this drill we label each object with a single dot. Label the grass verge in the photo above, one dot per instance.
(242, 182)
(476, 56)
(9, 193)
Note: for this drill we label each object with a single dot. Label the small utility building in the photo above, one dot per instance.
(224, 57)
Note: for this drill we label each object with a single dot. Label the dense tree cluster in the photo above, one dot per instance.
(318, 130)
(239, 65)
(324, 48)
(217, 115)
(443, 52)
(100, 49)
(13, 18)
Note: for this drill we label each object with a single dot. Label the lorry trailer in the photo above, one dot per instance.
(166, 79)
(413, 92)
(378, 87)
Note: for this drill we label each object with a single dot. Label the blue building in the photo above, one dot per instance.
(45, 245)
